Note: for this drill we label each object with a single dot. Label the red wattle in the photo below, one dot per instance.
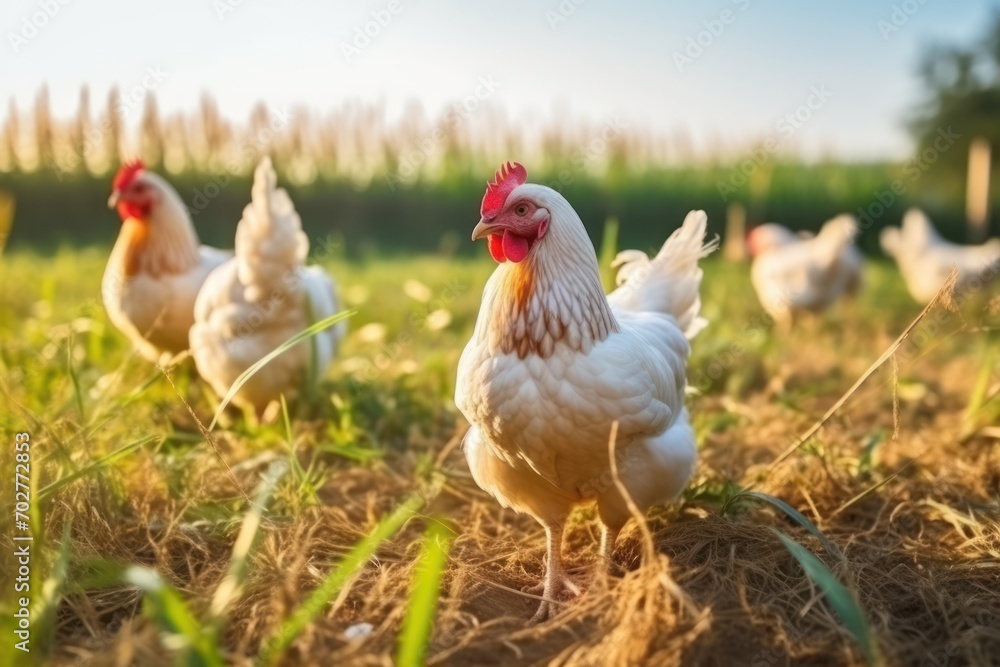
(515, 248)
(495, 244)
(130, 209)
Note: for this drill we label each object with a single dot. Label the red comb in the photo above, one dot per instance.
(508, 177)
(127, 174)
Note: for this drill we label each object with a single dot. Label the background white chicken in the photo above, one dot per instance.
(793, 274)
(925, 259)
(261, 298)
(554, 362)
(157, 266)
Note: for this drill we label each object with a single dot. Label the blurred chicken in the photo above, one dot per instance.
(771, 235)
(261, 298)
(157, 266)
(553, 363)
(925, 259)
(793, 274)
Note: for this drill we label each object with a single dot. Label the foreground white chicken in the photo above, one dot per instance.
(156, 267)
(261, 298)
(925, 259)
(793, 274)
(554, 362)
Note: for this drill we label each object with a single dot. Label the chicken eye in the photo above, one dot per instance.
(521, 210)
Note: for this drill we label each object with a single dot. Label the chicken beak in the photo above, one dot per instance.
(484, 229)
(113, 199)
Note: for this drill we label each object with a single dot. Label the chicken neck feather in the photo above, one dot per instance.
(552, 298)
(166, 243)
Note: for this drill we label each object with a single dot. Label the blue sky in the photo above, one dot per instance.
(605, 59)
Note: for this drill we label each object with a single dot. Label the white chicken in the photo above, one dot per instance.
(261, 298)
(156, 267)
(793, 274)
(770, 235)
(553, 363)
(925, 259)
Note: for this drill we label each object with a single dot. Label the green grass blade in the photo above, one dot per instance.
(869, 452)
(293, 460)
(312, 372)
(872, 489)
(100, 463)
(797, 517)
(308, 332)
(46, 605)
(977, 398)
(232, 584)
(139, 392)
(840, 599)
(334, 583)
(352, 452)
(77, 392)
(181, 630)
(418, 626)
(287, 421)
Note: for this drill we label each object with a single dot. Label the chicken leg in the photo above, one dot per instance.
(557, 583)
(609, 536)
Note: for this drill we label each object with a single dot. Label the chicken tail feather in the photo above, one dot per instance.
(670, 282)
(270, 243)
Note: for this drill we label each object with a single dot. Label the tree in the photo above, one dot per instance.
(963, 94)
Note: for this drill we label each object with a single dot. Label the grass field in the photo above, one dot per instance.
(153, 546)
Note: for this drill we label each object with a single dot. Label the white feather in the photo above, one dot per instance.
(154, 273)
(792, 274)
(925, 259)
(540, 421)
(261, 298)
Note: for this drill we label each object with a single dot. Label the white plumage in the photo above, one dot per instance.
(553, 363)
(261, 298)
(156, 267)
(925, 259)
(793, 274)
